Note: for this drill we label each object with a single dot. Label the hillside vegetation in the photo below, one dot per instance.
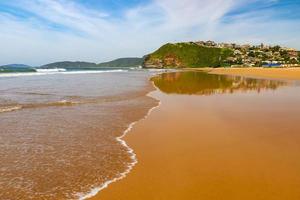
(69, 65)
(119, 63)
(16, 68)
(123, 62)
(182, 55)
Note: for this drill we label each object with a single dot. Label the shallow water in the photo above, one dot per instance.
(58, 132)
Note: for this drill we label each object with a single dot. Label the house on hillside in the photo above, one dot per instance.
(292, 52)
(210, 43)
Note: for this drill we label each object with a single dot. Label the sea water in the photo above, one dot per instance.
(60, 132)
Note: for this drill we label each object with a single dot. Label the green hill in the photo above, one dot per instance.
(16, 68)
(181, 55)
(119, 63)
(69, 65)
(123, 62)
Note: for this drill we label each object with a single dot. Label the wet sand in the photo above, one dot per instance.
(219, 146)
(276, 73)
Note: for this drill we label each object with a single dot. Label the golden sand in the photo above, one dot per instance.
(215, 148)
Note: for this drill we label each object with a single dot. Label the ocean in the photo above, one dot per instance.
(61, 131)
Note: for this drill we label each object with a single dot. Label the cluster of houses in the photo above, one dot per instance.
(257, 55)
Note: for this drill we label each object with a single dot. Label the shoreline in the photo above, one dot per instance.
(109, 193)
(95, 191)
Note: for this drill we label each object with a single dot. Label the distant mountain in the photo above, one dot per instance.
(78, 65)
(69, 65)
(16, 68)
(123, 62)
(118, 63)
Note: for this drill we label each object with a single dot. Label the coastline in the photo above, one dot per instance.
(95, 191)
(148, 137)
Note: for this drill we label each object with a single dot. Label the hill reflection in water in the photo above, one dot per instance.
(200, 83)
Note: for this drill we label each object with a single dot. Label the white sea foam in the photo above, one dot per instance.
(93, 71)
(130, 151)
(9, 108)
(159, 70)
(51, 70)
(59, 72)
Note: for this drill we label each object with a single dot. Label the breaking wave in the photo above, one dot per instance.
(40, 72)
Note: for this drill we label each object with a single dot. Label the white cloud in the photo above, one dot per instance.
(69, 15)
(194, 12)
(91, 35)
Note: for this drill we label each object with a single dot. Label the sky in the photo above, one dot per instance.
(38, 32)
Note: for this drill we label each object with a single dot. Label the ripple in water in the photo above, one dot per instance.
(62, 143)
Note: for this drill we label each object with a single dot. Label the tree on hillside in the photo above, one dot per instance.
(293, 61)
(284, 54)
(276, 48)
(251, 54)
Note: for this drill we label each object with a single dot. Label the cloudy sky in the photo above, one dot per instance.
(36, 32)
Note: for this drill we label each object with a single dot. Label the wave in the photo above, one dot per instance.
(41, 72)
(10, 108)
(63, 103)
(120, 176)
(51, 70)
(69, 101)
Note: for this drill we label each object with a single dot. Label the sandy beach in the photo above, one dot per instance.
(198, 147)
(224, 146)
(219, 146)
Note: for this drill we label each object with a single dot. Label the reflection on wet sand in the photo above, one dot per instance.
(238, 145)
(207, 84)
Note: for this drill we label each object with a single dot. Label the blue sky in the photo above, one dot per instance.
(36, 32)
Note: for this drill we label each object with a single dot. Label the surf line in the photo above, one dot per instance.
(133, 157)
